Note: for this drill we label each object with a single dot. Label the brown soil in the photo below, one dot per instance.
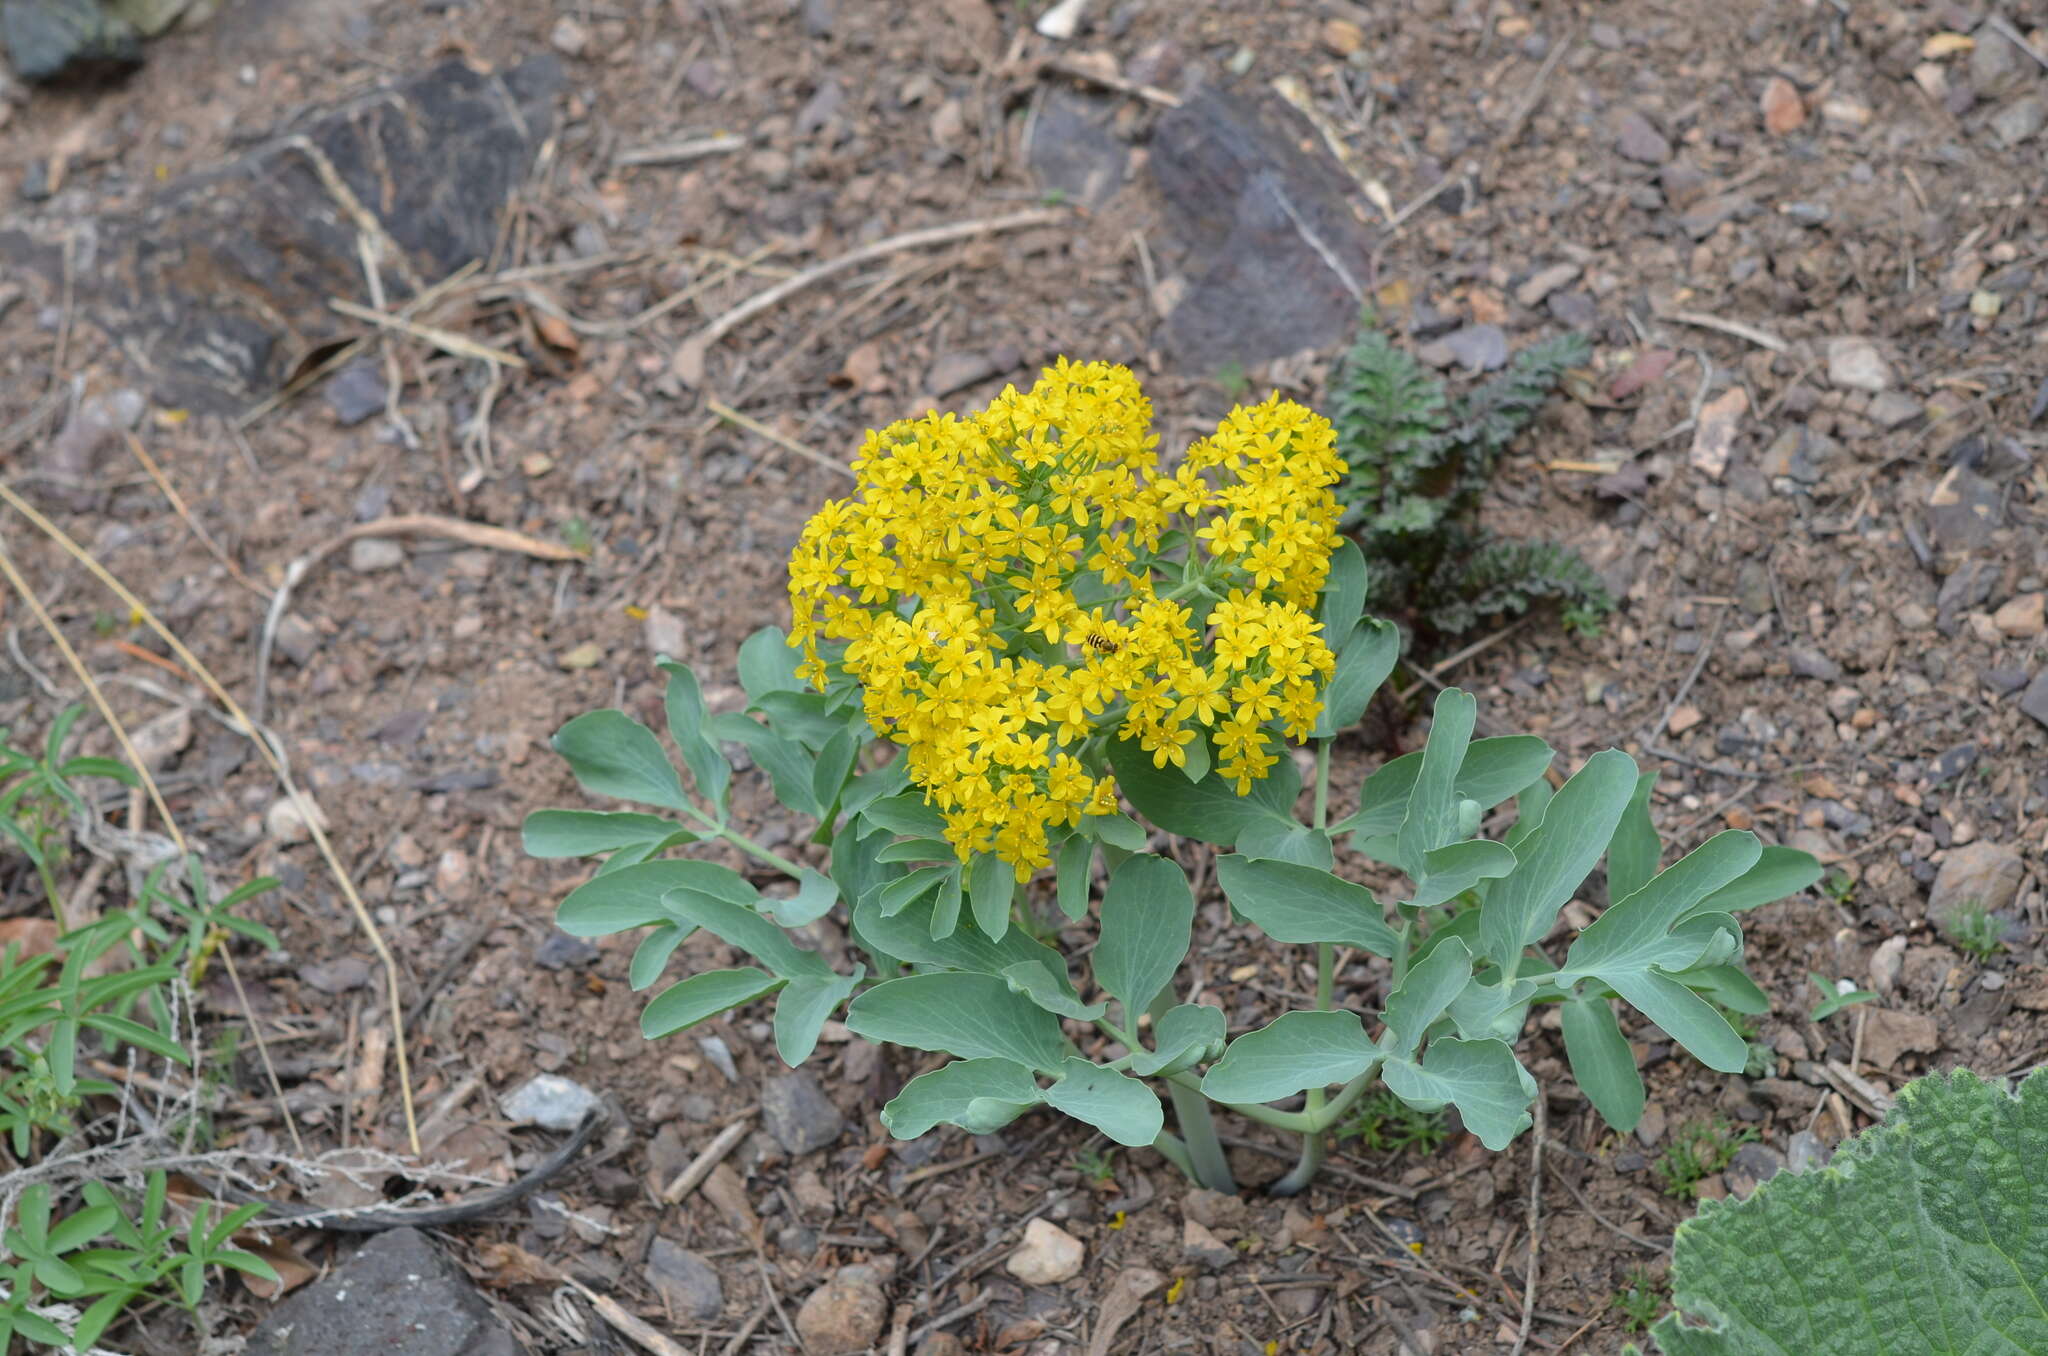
(1783, 646)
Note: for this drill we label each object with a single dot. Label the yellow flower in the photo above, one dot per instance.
(1010, 588)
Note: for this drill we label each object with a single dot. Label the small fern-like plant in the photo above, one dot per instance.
(1420, 462)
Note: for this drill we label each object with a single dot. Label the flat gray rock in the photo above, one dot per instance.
(1075, 149)
(1272, 256)
(798, 1113)
(217, 287)
(396, 1297)
(52, 40)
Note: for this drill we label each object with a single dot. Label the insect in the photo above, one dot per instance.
(1101, 643)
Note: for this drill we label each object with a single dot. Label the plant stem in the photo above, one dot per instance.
(1322, 783)
(745, 844)
(1315, 1110)
(1407, 944)
(1173, 1151)
(50, 889)
(1205, 1163)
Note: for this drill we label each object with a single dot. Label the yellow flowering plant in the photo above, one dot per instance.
(1027, 655)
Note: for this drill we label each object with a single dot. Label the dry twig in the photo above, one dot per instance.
(755, 426)
(270, 756)
(689, 360)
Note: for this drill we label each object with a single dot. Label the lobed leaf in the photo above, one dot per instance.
(1297, 1051)
(981, 1096)
(1293, 903)
(614, 755)
(634, 897)
(683, 703)
(1431, 819)
(1493, 770)
(1184, 1036)
(1122, 1108)
(971, 1015)
(1602, 1062)
(1490, 1088)
(1556, 857)
(1365, 659)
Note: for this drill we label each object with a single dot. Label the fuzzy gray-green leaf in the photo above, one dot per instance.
(1925, 1236)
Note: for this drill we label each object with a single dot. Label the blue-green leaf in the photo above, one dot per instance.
(1633, 856)
(907, 813)
(684, 705)
(740, 926)
(801, 1009)
(1288, 842)
(768, 664)
(1602, 1062)
(614, 755)
(1292, 903)
(1184, 1036)
(835, 761)
(1038, 984)
(1148, 914)
(1493, 770)
(1344, 590)
(1637, 932)
(1209, 810)
(1367, 657)
(791, 771)
(815, 895)
(900, 894)
(701, 996)
(991, 888)
(1554, 859)
(1073, 874)
(1120, 1107)
(1297, 1051)
(981, 1096)
(1779, 872)
(1492, 1091)
(585, 833)
(1423, 995)
(651, 957)
(1118, 830)
(618, 900)
(1685, 1016)
(909, 937)
(1451, 870)
(971, 1015)
(1432, 817)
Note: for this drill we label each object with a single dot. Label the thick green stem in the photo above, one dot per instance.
(1207, 1164)
(1315, 1110)
(1173, 1151)
(1202, 1157)
(1407, 944)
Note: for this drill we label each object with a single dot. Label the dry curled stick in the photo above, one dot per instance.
(424, 1216)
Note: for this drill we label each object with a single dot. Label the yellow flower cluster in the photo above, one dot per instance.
(1013, 584)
